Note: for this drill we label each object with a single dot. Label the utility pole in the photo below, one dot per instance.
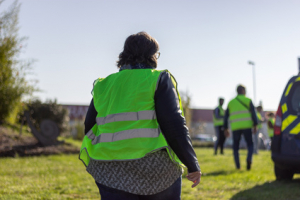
(254, 84)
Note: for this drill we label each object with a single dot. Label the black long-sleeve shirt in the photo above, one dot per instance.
(170, 119)
(253, 116)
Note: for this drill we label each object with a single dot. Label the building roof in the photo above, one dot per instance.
(76, 112)
(202, 115)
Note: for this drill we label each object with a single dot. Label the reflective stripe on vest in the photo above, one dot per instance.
(129, 116)
(90, 135)
(124, 135)
(239, 112)
(218, 122)
(241, 119)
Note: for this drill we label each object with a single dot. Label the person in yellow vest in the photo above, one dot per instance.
(271, 122)
(259, 129)
(218, 119)
(242, 117)
(136, 138)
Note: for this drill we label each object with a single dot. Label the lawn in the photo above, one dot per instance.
(64, 177)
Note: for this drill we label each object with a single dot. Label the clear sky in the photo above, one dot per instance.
(205, 44)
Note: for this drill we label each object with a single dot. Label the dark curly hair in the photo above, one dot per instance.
(139, 48)
(240, 89)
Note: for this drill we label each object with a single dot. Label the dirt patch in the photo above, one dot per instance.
(11, 144)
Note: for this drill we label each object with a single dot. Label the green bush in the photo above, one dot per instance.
(48, 110)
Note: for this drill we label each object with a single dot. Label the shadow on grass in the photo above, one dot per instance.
(217, 173)
(278, 190)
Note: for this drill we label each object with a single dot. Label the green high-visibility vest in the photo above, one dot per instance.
(271, 130)
(259, 126)
(239, 113)
(218, 122)
(126, 128)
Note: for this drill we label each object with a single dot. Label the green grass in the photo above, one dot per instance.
(64, 177)
(76, 143)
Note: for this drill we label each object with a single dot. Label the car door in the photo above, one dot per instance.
(290, 129)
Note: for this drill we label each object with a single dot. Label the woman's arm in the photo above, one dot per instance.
(173, 124)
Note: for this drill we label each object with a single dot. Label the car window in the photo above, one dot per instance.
(295, 100)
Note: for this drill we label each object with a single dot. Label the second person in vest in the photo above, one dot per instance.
(218, 118)
(242, 117)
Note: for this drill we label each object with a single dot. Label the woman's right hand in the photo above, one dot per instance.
(194, 177)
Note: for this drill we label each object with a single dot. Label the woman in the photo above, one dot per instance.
(136, 136)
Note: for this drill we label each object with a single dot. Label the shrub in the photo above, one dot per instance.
(48, 110)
